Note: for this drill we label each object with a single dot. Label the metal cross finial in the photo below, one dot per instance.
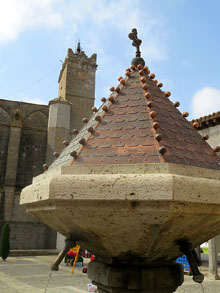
(136, 42)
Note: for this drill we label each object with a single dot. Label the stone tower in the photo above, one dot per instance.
(75, 100)
(77, 84)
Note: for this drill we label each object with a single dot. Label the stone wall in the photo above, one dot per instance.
(214, 140)
(2, 202)
(32, 148)
(23, 142)
(5, 121)
(31, 235)
(214, 135)
(218, 247)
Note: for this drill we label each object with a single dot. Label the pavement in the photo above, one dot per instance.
(209, 285)
(32, 274)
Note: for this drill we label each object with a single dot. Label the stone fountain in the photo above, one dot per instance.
(138, 187)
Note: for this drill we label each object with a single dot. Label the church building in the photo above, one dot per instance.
(32, 136)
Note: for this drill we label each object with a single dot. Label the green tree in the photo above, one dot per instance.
(5, 241)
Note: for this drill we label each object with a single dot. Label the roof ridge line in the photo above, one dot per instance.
(152, 114)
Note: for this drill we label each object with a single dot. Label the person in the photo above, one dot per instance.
(70, 256)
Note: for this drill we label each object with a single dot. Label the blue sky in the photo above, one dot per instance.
(180, 44)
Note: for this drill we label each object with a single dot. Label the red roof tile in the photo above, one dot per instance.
(126, 132)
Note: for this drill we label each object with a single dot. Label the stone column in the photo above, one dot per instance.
(9, 202)
(213, 264)
(58, 127)
(58, 130)
(128, 279)
(12, 162)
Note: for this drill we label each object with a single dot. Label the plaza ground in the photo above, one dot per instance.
(29, 274)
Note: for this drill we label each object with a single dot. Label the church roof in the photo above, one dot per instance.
(139, 124)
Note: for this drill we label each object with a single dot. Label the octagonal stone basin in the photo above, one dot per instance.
(128, 212)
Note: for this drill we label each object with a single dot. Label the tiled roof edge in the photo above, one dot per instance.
(207, 120)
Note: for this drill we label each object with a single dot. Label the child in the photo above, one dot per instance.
(70, 256)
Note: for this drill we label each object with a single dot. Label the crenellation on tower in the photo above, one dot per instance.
(77, 84)
(79, 57)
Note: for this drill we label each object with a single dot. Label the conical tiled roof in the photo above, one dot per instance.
(139, 124)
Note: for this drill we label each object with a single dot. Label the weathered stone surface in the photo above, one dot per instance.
(135, 279)
(29, 148)
(22, 153)
(59, 114)
(77, 85)
(58, 127)
(9, 201)
(213, 132)
(12, 158)
(213, 260)
(154, 208)
(4, 140)
(32, 155)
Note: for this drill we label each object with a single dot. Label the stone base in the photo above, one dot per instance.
(128, 279)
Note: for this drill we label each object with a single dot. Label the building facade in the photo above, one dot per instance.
(210, 125)
(30, 134)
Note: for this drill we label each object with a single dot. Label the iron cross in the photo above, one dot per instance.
(136, 42)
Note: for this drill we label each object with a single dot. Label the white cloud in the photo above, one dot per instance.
(34, 101)
(27, 99)
(99, 18)
(205, 101)
(119, 17)
(19, 15)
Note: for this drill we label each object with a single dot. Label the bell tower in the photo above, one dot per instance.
(77, 84)
(75, 100)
